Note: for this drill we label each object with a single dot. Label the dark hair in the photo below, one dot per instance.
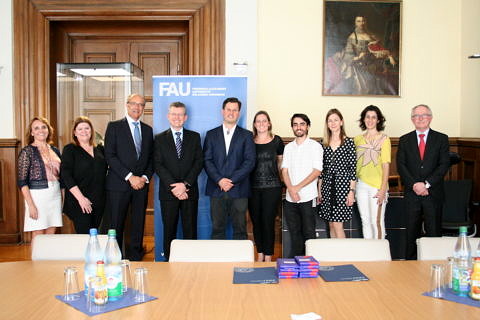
(255, 133)
(79, 120)
(29, 136)
(380, 117)
(328, 134)
(232, 100)
(302, 116)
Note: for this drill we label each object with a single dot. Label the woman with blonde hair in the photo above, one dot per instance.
(83, 171)
(39, 179)
(336, 186)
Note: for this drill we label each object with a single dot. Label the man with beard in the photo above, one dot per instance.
(301, 167)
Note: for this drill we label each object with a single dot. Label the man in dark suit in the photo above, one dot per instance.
(422, 161)
(229, 154)
(178, 160)
(128, 151)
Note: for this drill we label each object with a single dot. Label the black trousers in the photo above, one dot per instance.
(171, 209)
(118, 203)
(300, 218)
(83, 222)
(422, 209)
(263, 208)
(225, 207)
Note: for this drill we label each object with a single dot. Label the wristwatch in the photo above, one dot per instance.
(427, 185)
(186, 184)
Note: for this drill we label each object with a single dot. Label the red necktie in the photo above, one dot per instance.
(421, 145)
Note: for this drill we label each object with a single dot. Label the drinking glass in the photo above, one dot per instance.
(97, 295)
(437, 280)
(71, 288)
(126, 275)
(141, 286)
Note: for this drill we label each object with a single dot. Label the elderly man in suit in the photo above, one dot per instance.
(422, 161)
(178, 160)
(229, 154)
(128, 151)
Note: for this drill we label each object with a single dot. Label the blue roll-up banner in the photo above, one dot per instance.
(203, 96)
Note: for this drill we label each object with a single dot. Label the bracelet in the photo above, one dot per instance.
(353, 190)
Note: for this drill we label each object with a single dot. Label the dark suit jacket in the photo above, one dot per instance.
(121, 155)
(434, 166)
(235, 166)
(171, 169)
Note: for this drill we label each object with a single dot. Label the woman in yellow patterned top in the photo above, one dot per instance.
(373, 164)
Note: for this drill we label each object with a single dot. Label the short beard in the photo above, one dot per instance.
(303, 135)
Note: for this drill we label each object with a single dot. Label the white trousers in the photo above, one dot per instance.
(372, 214)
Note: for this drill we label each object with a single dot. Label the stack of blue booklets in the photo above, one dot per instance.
(308, 266)
(287, 268)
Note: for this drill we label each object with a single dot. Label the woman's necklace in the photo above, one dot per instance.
(46, 156)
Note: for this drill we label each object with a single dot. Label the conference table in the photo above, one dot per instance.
(205, 291)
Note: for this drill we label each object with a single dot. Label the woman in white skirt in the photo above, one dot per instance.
(38, 179)
(373, 165)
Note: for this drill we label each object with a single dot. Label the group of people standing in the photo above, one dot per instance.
(244, 170)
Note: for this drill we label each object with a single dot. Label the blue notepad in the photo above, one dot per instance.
(254, 275)
(346, 272)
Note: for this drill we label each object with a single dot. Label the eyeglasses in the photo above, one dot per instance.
(132, 103)
(421, 116)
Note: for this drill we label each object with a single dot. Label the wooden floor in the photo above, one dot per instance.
(23, 252)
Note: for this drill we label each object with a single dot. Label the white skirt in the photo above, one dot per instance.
(49, 205)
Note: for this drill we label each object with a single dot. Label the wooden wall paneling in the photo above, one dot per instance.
(11, 214)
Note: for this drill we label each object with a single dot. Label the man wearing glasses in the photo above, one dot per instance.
(422, 161)
(128, 152)
(301, 167)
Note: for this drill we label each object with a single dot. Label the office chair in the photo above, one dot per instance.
(348, 249)
(63, 246)
(456, 207)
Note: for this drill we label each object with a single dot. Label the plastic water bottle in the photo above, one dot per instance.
(113, 269)
(92, 255)
(461, 266)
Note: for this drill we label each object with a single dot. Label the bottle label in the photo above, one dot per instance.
(90, 272)
(461, 281)
(475, 290)
(114, 282)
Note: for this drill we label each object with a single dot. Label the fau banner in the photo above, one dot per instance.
(203, 97)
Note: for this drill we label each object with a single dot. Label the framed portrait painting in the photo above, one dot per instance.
(362, 48)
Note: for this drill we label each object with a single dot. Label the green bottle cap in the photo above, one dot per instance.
(112, 233)
(463, 229)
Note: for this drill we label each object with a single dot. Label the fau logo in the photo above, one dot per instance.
(174, 89)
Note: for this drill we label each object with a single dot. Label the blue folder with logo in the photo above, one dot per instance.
(254, 275)
(347, 272)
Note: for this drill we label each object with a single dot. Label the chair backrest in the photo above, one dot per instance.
(348, 249)
(439, 248)
(63, 246)
(211, 251)
(457, 199)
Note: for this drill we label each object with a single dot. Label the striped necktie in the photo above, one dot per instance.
(178, 144)
(137, 138)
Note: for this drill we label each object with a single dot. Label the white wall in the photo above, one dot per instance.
(241, 46)
(6, 66)
(470, 69)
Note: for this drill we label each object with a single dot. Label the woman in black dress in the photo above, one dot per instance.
(83, 171)
(266, 185)
(337, 183)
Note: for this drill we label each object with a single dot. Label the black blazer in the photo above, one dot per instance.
(236, 166)
(171, 169)
(121, 155)
(434, 166)
(79, 168)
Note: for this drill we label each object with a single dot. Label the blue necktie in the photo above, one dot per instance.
(178, 144)
(137, 138)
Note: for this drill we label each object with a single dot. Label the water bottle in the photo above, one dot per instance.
(92, 255)
(113, 269)
(461, 266)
